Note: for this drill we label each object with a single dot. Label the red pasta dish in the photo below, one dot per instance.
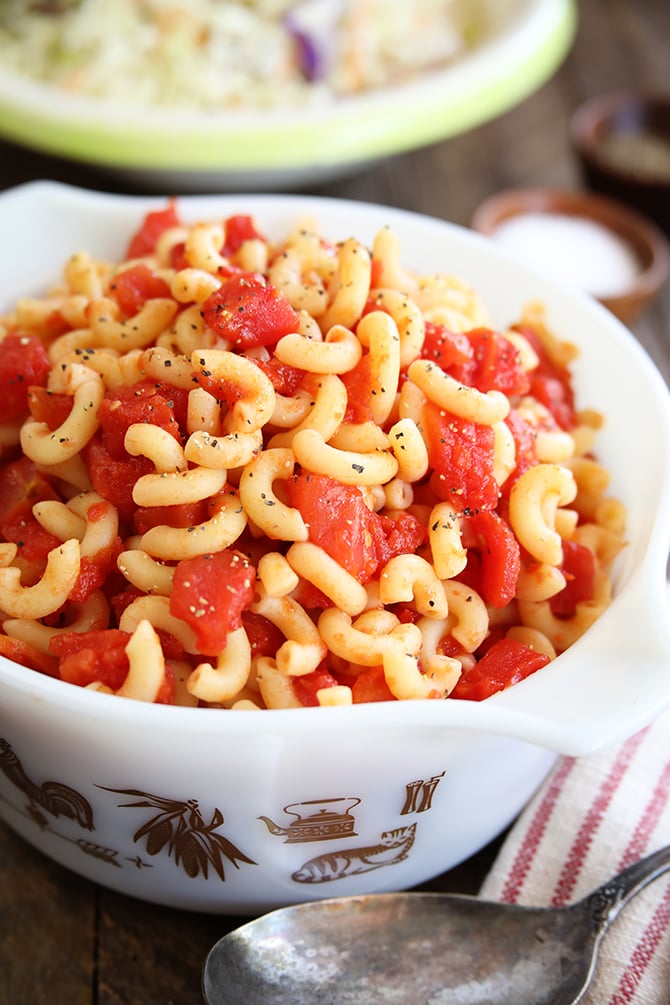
(246, 473)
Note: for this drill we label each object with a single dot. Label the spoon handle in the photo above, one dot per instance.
(607, 900)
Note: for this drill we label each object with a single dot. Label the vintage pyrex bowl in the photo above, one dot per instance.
(235, 812)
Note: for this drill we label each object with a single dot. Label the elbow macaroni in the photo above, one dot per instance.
(162, 436)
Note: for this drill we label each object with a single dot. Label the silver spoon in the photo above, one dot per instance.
(423, 948)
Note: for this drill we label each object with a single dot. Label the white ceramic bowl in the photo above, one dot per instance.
(238, 812)
(177, 150)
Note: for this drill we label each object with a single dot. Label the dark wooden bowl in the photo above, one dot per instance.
(622, 141)
(647, 242)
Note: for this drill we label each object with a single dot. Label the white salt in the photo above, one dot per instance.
(572, 249)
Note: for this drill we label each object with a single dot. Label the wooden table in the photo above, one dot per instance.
(65, 940)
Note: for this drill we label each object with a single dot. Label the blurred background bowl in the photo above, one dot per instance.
(620, 232)
(622, 140)
(167, 149)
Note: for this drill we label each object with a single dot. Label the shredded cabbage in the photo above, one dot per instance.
(214, 54)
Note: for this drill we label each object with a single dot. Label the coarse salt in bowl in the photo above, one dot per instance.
(236, 812)
(574, 249)
(593, 243)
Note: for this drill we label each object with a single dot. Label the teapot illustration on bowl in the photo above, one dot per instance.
(316, 820)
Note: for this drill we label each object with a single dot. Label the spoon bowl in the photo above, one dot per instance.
(421, 947)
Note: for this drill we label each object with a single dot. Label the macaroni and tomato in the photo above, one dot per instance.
(251, 474)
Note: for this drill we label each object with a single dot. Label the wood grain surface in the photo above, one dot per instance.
(65, 940)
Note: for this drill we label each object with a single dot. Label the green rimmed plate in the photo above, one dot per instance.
(266, 149)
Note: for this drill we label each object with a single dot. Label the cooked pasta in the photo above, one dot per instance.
(248, 474)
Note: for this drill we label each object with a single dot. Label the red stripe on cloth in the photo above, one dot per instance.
(643, 953)
(592, 820)
(528, 848)
(644, 950)
(637, 845)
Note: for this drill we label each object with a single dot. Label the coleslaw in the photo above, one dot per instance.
(220, 54)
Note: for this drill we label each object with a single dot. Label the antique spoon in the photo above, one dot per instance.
(423, 948)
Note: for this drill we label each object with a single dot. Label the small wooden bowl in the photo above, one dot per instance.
(646, 241)
(622, 140)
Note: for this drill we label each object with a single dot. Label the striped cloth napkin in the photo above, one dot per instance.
(591, 818)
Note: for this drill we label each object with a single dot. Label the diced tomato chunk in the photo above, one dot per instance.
(155, 223)
(33, 541)
(23, 362)
(221, 389)
(177, 400)
(461, 455)
(370, 685)
(248, 311)
(492, 543)
(28, 655)
(579, 569)
(550, 383)
(21, 486)
(310, 597)
(54, 325)
(127, 404)
(50, 407)
(114, 478)
(177, 256)
(285, 379)
(122, 598)
(358, 383)
(94, 570)
(132, 287)
(338, 521)
(494, 364)
(495, 635)
(238, 229)
(307, 687)
(170, 644)
(264, 636)
(506, 662)
(166, 691)
(444, 347)
(86, 657)
(177, 515)
(399, 535)
(556, 395)
(524, 444)
(376, 267)
(210, 593)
